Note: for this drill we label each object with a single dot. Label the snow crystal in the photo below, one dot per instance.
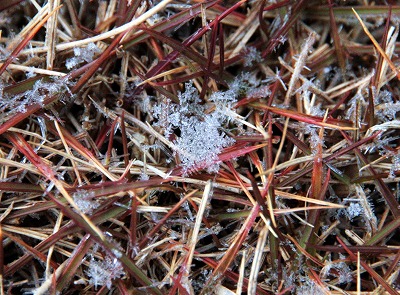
(86, 202)
(102, 273)
(82, 54)
(201, 137)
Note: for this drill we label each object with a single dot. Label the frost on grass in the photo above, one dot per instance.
(385, 108)
(359, 207)
(381, 144)
(314, 138)
(337, 269)
(298, 282)
(11, 104)
(252, 56)
(102, 272)
(356, 105)
(86, 202)
(202, 136)
(300, 63)
(354, 210)
(395, 166)
(201, 142)
(82, 54)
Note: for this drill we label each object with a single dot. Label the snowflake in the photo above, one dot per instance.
(201, 137)
(85, 54)
(86, 202)
(102, 273)
(395, 166)
(251, 57)
(354, 210)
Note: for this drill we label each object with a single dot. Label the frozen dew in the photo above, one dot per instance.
(201, 142)
(252, 56)
(82, 54)
(395, 167)
(86, 202)
(300, 63)
(102, 272)
(201, 137)
(18, 103)
(354, 210)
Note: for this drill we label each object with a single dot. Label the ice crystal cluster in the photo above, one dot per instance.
(10, 104)
(202, 134)
(85, 201)
(84, 54)
(102, 272)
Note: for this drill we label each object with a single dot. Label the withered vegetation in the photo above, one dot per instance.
(199, 147)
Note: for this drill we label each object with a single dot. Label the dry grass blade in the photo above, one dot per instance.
(332, 123)
(377, 46)
(73, 263)
(231, 253)
(257, 262)
(49, 174)
(195, 233)
(51, 32)
(376, 276)
(119, 30)
(21, 45)
(336, 39)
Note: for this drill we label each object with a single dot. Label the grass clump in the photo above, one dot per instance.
(199, 147)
